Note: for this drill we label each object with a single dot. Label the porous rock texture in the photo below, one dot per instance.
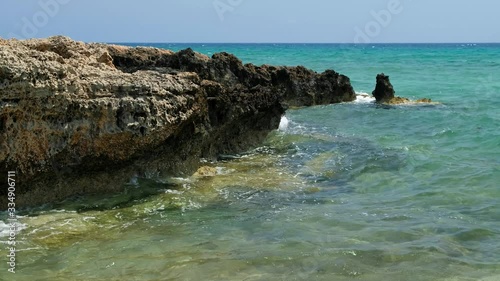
(79, 118)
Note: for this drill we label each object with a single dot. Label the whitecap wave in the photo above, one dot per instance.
(364, 98)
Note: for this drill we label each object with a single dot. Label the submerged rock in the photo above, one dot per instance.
(206, 171)
(424, 100)
(80, 118)
(396, 100)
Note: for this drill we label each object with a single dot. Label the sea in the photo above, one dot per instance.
(350, 191)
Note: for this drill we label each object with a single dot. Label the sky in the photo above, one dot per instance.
(254, 21)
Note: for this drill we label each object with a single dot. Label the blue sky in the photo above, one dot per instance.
(360, 21)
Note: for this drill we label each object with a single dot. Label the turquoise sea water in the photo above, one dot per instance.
(352, 191)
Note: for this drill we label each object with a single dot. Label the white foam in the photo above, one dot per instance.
(5, 228)
(224, 171)
(283, 124)
(364, 98)
(172, 191)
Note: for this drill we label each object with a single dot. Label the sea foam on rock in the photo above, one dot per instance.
(79, 118)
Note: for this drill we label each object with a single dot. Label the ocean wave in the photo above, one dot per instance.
(362, 97)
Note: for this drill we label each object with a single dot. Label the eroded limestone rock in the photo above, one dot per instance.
(80, 118)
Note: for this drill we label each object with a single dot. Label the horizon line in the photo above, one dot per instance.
(296, 43)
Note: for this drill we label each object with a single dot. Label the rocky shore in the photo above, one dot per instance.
(80, 118)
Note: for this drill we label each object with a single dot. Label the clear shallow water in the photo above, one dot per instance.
(348, 191)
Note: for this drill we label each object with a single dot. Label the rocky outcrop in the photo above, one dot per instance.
(297, 86)
(384, 92)
(81, 118)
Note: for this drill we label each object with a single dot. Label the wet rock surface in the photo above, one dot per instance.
(80, 118)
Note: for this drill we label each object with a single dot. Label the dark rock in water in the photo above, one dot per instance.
(80, 118)
(303, 87)
(384, 91)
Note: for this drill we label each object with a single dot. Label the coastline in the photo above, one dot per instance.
(379, 190)
(85, 118)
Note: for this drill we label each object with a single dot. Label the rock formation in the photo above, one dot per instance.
(384, 92)
(297, 86)
(81, 118)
